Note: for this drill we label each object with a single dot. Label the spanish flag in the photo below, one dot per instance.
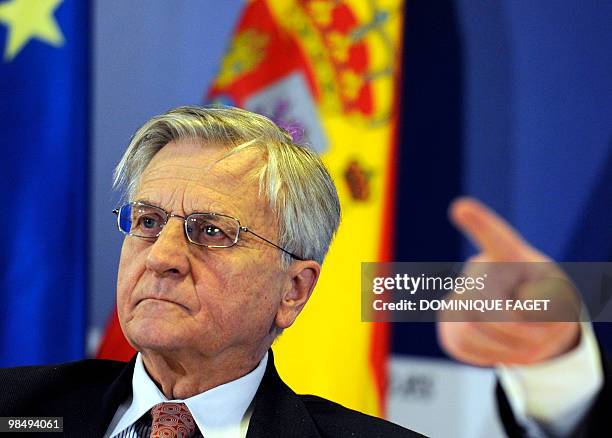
(327, 71)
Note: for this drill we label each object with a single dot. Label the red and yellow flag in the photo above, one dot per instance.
(327, 71)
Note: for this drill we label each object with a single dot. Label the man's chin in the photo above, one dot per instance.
(153, 336)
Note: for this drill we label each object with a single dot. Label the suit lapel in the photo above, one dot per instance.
(278, 411)
(100, 415)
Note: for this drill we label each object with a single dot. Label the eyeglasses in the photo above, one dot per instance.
(212, 230)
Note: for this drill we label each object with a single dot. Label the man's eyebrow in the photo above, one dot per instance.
(222, 211)
(147, 201)
(198, 209)
(213, 206)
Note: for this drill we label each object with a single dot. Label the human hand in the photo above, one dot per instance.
(518, 340)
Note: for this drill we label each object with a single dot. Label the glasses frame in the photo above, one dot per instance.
(241, 228)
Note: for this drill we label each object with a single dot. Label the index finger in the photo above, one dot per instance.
(492, 234)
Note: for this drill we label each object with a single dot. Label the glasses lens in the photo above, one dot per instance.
(212, 230)
(141, 220)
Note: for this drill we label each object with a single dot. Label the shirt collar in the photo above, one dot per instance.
(220, 407)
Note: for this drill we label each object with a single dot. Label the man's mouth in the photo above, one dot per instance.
(160, 300)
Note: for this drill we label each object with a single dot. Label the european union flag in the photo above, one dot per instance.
(43, 168)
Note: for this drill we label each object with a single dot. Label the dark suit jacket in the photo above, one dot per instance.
(87, 394)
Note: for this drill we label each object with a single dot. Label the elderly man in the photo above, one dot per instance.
(227, 225)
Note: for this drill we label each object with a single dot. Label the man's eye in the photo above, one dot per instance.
(207, 234)
(207, 231)
(213, 231)
(148, 222)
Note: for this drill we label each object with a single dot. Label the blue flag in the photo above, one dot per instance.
(43, 180)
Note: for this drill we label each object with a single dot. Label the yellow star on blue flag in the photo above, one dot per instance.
(44, 131)
(27, 19)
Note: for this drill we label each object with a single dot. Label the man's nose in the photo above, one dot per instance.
(169, 254)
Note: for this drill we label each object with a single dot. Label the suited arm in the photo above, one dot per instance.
(556, 373)
(554, 398)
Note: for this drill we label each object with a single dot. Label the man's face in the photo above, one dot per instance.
(174, 296)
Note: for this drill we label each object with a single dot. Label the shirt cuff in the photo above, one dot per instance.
(556, 394)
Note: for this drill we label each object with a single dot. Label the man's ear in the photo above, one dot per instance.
(303, 276)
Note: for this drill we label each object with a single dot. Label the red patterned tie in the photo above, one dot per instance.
(172, 420)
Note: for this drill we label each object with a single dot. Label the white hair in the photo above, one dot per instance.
(293, 179)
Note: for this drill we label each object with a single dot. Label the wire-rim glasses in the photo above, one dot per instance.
(211, 230)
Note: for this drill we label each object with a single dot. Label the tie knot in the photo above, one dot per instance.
(172, 420)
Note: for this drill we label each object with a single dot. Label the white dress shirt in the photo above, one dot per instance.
(550, 398)
(220, 412)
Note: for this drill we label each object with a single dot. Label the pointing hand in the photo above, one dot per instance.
(516, 341)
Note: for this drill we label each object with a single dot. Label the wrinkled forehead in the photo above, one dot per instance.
(203, 177)
(202, 162)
